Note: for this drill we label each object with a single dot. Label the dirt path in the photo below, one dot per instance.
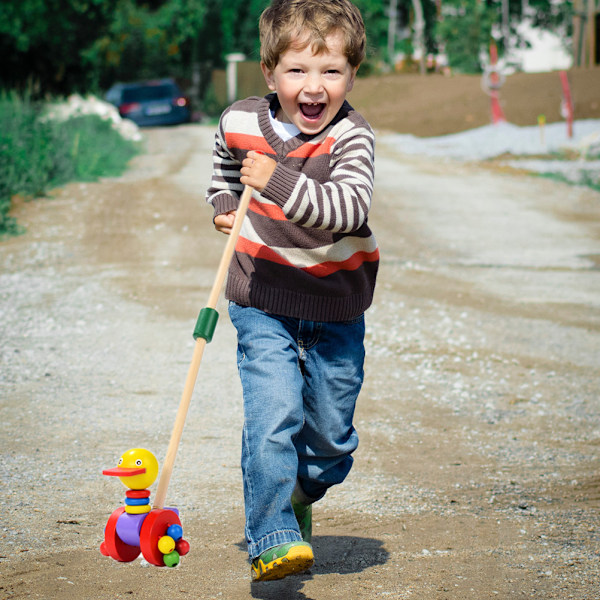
(476, 476)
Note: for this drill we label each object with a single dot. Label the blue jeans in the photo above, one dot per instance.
(300, 381)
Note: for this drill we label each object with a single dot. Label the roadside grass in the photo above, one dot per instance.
(571, 155)
(580, 175)
(584, 179)
(37, 153)
(581, 166)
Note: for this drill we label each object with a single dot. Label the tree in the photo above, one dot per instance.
(465, 31)
(376, 18)
(41, 42)
(61, 46)
(142, 43)
(239, 26)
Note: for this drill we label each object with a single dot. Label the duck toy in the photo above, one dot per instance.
(136, 527)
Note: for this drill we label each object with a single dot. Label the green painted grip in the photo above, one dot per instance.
(205, 326)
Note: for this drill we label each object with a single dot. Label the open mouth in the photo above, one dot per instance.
(312, 111)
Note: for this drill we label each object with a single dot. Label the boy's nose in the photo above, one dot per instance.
(313, 85)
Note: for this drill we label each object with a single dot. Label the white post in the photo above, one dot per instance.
(232, 61)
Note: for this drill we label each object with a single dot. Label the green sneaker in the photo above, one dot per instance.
(281, 561)
(303, 514)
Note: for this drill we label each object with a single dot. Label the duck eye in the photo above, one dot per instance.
(138, 462)
(120, 462)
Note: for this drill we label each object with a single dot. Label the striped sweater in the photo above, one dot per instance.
(305, 249)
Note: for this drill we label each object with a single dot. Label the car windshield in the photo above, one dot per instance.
(149, 92)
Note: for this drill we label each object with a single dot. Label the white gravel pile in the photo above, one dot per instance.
(76, 105)
(493, 141)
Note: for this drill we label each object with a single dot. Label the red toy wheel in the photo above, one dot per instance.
(113, 544)
(154, 527)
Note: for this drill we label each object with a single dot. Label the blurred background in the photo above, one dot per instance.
(61, 47)
(78, 78)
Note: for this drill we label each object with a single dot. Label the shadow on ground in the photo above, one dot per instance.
(342, 555)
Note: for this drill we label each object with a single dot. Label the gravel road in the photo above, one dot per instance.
(477, 472)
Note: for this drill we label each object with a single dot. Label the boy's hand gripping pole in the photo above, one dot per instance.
(203, 334)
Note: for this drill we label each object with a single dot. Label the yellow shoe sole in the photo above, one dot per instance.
(297, 560)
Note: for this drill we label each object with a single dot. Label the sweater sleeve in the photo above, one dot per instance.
(225, 188)
(340, 205)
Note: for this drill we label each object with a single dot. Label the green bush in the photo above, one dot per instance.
(37, 153)
(23, 142)
(86, 148)
(212, 106)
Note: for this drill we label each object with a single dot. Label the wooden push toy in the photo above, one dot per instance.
(157, 532)
(135, 527)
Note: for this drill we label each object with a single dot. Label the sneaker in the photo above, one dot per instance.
(303, 514)
(281, 561)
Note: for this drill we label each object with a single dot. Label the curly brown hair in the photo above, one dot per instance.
(301, 23)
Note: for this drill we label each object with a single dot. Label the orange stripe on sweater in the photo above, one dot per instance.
(321, 270)
(260, 251)
(350, 264)
(271, 211)
(245, 141)
(309, 150)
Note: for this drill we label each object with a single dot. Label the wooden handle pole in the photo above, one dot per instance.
(190, 382)
(230, 247)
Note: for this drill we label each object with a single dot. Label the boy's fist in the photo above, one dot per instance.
(257, 170)
(224, 222)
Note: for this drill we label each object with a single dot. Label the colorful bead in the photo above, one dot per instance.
(166, 544)
(182, 546)
(136, 501)
(175, 531)
(137, 493)
(138, 510)
(171, 559)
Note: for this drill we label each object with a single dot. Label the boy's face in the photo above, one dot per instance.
(311, 87)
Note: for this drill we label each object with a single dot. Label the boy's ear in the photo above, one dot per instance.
(268, 75)
(351, 80)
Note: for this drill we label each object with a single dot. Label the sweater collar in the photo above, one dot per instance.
(271, 103)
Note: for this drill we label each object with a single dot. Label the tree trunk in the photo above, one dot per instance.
(419, 36)
(392, 26)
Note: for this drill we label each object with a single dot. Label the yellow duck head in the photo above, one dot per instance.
(137, 469)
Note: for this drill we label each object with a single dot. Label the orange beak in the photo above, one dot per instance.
(124, 472)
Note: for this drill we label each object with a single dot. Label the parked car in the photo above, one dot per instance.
(147, 103)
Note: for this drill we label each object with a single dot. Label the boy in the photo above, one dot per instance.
(303, 272)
